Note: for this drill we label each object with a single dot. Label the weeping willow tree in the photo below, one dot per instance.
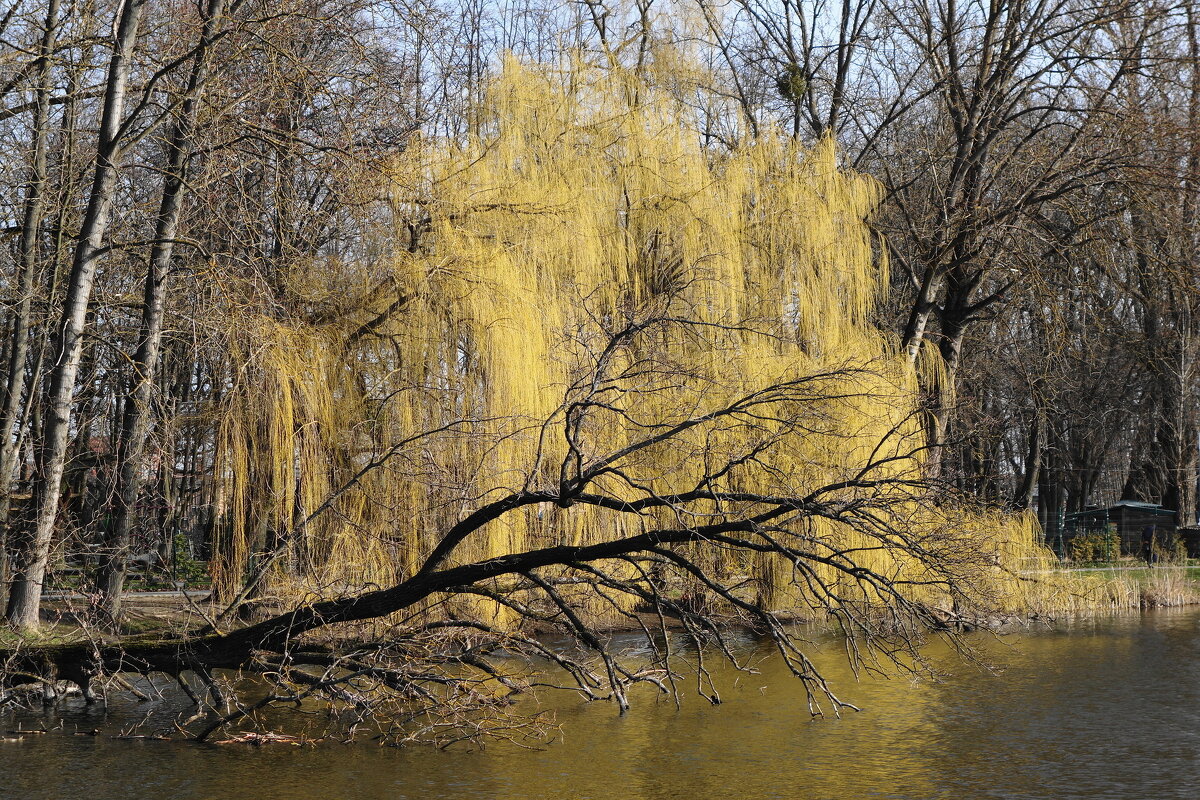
(607, 376)
(591, 310)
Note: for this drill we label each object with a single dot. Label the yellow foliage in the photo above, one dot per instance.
(579, 276)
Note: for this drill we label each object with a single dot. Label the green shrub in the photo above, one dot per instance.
(188, 569)
(1096, 545)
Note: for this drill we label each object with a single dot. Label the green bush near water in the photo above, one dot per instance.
(1096, 545)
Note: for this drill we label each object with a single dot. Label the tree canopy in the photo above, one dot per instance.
(421, 334)
(610, 377)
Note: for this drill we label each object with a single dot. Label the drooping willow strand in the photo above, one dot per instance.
(579, 274)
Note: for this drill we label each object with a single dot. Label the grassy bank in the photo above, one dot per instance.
(1132, 583)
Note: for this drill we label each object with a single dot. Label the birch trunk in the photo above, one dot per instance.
(35, 206)
(24, 602)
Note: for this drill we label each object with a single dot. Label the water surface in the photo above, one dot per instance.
(1099, 709)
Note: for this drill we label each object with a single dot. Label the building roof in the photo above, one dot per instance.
(1140, 505)
(1131, 505)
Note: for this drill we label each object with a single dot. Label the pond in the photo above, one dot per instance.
(1106, 708)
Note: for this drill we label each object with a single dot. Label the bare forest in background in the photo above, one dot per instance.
(168, 167)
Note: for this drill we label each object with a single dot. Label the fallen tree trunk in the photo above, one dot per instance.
(413, 675)
(80, 662)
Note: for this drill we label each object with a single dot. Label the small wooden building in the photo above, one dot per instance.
(1126, 519)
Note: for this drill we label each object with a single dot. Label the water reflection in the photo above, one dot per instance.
(1097, 709)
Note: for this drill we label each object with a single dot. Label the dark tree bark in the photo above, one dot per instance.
(138, 417)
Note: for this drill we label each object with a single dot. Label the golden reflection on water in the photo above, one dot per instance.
(1102, 709)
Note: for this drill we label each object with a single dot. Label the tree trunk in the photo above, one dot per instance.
(1033, 465)
(138, 416)
(953, 319)
(24, 603)
(35, 205)
(918, 316)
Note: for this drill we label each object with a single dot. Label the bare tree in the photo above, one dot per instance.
(138, 413)
(25, 592)
(28, 270)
